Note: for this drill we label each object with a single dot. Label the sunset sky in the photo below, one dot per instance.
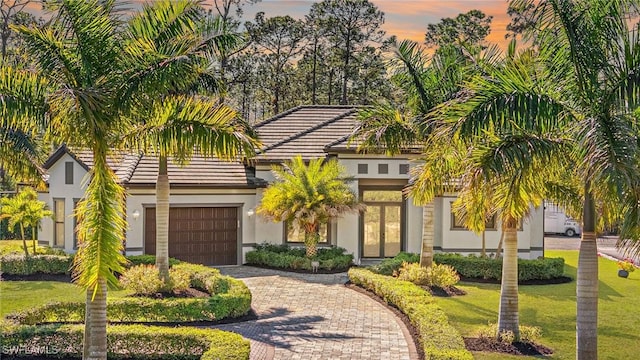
(405, 19)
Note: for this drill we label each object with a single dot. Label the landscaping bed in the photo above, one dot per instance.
(283, 257)
(483, 269)
(123, 342)
(226, 298)
(437, 338)
(517, 348)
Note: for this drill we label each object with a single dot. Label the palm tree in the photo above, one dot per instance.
(307, 196)
(585, 85)
(426, 82)
(94, 83)
(24, 210)
(178, 126)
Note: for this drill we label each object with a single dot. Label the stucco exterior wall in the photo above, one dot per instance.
(69, 192)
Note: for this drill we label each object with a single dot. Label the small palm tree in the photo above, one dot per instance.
(24, 210)
(307, 196)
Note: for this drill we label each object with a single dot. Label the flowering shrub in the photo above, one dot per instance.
(437, 275)
(627, 265)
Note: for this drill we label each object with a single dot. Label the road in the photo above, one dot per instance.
(606, 245)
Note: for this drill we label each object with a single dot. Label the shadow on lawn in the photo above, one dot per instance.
(277, 329)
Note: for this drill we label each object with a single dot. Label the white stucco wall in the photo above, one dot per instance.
(467, 242)
(69, 192)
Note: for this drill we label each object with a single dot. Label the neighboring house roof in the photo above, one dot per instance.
(139, 170)
(304, 130)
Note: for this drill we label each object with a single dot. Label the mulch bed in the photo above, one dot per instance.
(37, 277)
(444, 292)
(300, 271)
(517, 348)
(558, 280)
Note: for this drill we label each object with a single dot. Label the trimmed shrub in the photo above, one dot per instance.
(476, 267)
(285, 257)
(142, 280)
(230, 298)
(18, 264)
(486, 268)
(147, 260)
(127, 342)
(527, 333)
(15, 247)
(145, 280)
(438, 339)
(437, 275)
(391, 266)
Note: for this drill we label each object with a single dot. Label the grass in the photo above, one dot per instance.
(22, 295)
(15, 246)
(553, 308)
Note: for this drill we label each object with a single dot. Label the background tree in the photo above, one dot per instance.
(277, 41)
(307, 196)
(349, 25)
(470, 28)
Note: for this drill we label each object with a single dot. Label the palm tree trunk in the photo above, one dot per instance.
(162, 220)
(426, 255)
(24, 241)
(508, 313)
(97, 323)
(587, 287)
(310, 243)
(33, 239)
(483, 252)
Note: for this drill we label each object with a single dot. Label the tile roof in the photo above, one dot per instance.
(142, 170)
(305, 130)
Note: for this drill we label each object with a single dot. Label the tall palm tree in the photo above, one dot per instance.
(426, 81)
(177, 125)
(586, 85)
(307, 196)
(94, 83)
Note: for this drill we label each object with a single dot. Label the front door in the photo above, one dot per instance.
(382, 223)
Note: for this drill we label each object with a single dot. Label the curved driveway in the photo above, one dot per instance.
(314, 316)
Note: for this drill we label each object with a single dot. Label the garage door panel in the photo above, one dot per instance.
(199, 235)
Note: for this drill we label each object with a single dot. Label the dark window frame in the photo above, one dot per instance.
(285, 235)
(68, 173)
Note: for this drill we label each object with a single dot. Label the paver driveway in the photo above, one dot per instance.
(314, 316)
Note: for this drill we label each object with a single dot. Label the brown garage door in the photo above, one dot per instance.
(200, 235)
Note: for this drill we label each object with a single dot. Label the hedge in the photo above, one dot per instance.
(285, 257)
(438, 339)
(18, 264)
(487, 268)
(229, 298)
(476, 267)
(125, 342)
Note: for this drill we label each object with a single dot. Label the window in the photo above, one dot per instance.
(68, 173)
(383, 168)
(58, 233)
(457, 224)
(403, 169)
(363, 168)
(75, 224)
(293, 235)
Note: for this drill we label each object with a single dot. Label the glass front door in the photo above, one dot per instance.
(382, 223)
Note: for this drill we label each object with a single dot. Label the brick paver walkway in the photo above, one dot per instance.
(314, 316)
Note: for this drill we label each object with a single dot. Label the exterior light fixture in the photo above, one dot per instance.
(135, 214)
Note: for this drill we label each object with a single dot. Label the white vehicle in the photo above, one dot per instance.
(557, 222)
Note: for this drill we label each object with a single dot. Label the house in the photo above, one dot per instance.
(212, 211)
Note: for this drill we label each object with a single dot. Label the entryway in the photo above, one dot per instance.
(382, 230)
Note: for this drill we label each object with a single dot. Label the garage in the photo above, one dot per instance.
(199, 235)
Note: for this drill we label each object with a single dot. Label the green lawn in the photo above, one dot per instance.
(19, 295)
(553, 308)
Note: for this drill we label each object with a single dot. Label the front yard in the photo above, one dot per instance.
(553, 308)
